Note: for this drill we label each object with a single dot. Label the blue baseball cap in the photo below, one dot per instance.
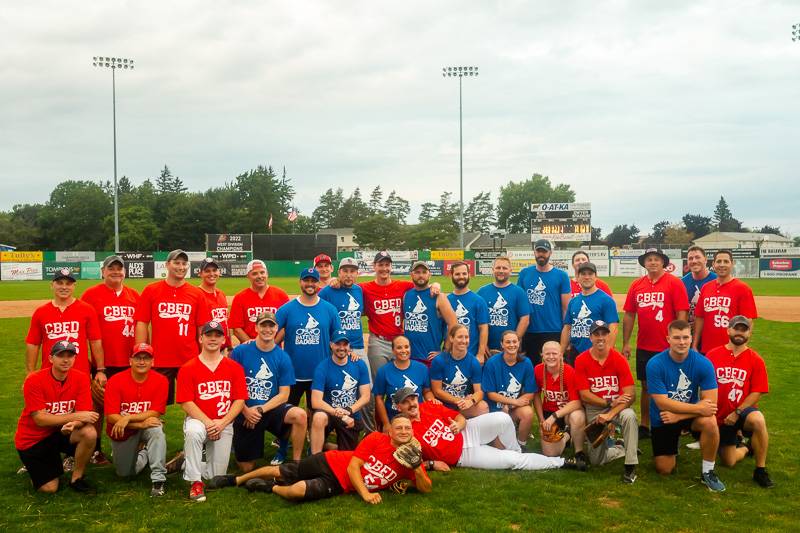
(309, 273)
(340, 335)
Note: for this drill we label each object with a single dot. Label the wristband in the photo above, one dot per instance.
(429, 464)
(738, 411)
(103, 370)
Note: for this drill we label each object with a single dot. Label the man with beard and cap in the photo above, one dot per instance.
(471, 311)
(426, 317)
(508, 304)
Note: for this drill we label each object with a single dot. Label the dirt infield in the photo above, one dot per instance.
(780, 308)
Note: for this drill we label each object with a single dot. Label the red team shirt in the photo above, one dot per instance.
(555, 399)
(719, 303)
(247, 305)
(213, 392)
(115, 315)
(126, 396)
(575, 287)
(606, 380)
(76, 324)
(174, 314)
(380, 468)
(434, 434)
(736, 377)
(655, 305)
(383, 305)
(42, 392)
(217, 305)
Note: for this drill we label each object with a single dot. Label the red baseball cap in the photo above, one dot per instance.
(142, 347)
(321, 258)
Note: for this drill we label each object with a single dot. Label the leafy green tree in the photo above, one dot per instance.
(431, 234)
(514, 203)
(192, 217)
(677, 234)
(257, 194)
(397, 208)
(597, 236)
(774, 230)
(303, 224)
(723, 217)
(376, 201)
(137, 229)
(428, 212)
(328, 212)
(72, 219)
(167, 183)
(658, 233)
(480, 214)
(698, 225)
(623, 235)
(20, 227)
(353, 209)
(378, 232)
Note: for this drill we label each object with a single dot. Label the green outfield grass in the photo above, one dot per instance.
(40, 290)
(462, 500)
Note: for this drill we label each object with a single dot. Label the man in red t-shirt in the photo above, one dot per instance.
(57, 418)
(174, 310)
(607, 390)
(578, 258)
(251, 302)
(371, 467)
(655, 299)
(216, 302)
(742, 379)
(212, 391)
(135, 402)
(719, 300)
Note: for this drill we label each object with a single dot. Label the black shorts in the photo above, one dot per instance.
(248, 444)
(298, 390)
(171, 373)
(43, 459)
(315, 471)
(666, 438)
(560, 422)
(532, 344)
(727, 434)
(642, 357)
(346, 438)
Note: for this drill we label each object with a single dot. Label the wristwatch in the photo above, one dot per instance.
(738, 411)
(260, 410)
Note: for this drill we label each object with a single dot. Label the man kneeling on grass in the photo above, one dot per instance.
(372, 467)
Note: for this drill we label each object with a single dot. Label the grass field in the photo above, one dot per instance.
(462, 500)
(40, 290)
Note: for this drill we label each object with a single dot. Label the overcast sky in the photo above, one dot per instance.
(648, 109)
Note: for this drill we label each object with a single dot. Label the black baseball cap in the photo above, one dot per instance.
(403, 393)
(382, 256)
(599, 324)
(111, 259)
(587, 266)
(212, 325)
(63, 346)
(208, 262)
(543, 244)
(63, 273)
(739, 320)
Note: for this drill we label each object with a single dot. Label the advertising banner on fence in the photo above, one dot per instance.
(780, 251)
(140, 269)
(22, 257)
(75, 257)
(51, 267)
(91, 270)
(20, 271)
(560, 259)
(625, 262)
(447, 255)
(136, 256)
(484, 268)
(447, 265)
(397, 255)
(229, 242)
(780, 267)
(232, 257)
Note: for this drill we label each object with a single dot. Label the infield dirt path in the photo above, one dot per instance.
(780, 308)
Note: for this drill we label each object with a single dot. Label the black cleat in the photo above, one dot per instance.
(220, 482)
(259, 485)
(761, 477)
(82, 486)
(629, 476)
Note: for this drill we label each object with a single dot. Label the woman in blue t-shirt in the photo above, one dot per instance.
(456, 375)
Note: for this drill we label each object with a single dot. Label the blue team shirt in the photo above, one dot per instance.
(339, 384)
(509, 381)
(390, 378)
(349, 304)
(544, 290)
(471, 310)
(308, 334)
(506, 306)
(422, 323)
(264, 372)
(457, 375)
(582, 311)
(679, 381)
(693, 287)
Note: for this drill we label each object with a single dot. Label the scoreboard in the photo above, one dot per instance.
(561, 221)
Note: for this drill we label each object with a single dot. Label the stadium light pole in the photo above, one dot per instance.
(114, 63)
(460, 72)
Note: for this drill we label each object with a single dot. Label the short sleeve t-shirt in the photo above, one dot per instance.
(511, 381)
(605, 380)
(76, 324)
(264, 372)
(340, 384)
(433, 432)
(42, 392)
(389, 379)
(217, 305)
(559, 390)
(247, 305)
(544, 291)
(383, 305)
(126, 396)
(506, 306)
(693, 287)
(582, 312)
(717, 305)
(575, 287)
(380, 468)
(349, 304)
(471, 311)
(308, 333)
(655, 304)
(458, 376)
(679, 381)
(737, 377)
(422, 324)
(115, 312)
(212, 391)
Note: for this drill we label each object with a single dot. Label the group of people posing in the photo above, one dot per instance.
(462, 376)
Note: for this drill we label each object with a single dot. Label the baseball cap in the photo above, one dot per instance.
(348, 262)
(340, 335)
(543, 244)
(309, 273)
(739, 320)
(656, 251)
(111, 259)
(207, 263)
(142, 347)
(403, 393)
(63, 273)
(256, 263)
(382, 256)
(266, 316)
(599, 324)
(587, 266)
(212, 325)
(63, 346)
(176, 254)
(321, 258)
(416, 264)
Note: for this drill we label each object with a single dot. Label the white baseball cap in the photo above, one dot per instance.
(252, 265)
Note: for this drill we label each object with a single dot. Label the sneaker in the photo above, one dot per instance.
(82, 486)
(259, 485)
(582, 461)
(280, 457)
(694, 445)
(22, 470)
(176, 463)
(197, 493)
(158, 489)
(99, 458)
(220, 482)
(69, 463)
(574, 463)
(711, 481)
(761, 477)
(644, 432)
(629, 476)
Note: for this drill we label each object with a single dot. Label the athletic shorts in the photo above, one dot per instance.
(560, 422)
(43, 459)
(248, 444)
(346, 438)
(532, 344)
(171, 373)
(315, 471)
(297, 391)
(642, 357)
(727, 434)
(665, 438)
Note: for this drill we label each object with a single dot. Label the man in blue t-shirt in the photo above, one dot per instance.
(508, 304)
(348, 299)
(583, 309)
(698, 275)
(471, 310)
(683, 396)
(548, 291)
(426, 317)
(339, 391)
(269, 376)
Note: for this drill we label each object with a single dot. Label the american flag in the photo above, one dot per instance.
(269, 224)
(292, 215)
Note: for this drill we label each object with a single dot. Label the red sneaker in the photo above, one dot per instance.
(198, 492)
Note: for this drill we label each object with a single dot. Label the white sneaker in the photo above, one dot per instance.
(69, 464)
(694, 445)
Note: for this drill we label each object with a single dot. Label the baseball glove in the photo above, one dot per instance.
(555, 434)
(597, 432)
(409, 455)
(400, 486)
